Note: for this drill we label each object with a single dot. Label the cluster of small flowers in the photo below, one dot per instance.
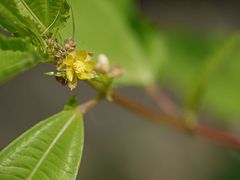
(54, 48)
(71, 65)
(75, 65)
(78, 66)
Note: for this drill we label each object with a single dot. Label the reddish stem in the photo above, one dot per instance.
(219, 136)
(202, 130)
(162, 100)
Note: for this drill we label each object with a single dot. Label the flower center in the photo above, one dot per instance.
(79, 67)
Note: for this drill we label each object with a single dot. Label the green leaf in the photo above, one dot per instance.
(14, 43)
(44, 12)
(153, 43)
(187, 51)
(103, 28)
(15, 62)
(31, 17)
(188, 56)
(223, 87)
(208, 69)
(123, 6)
(50, 150)
(11, 20)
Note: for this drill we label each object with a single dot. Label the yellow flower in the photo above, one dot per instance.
(78, 66)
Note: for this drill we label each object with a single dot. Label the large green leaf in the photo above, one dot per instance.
(50, 150)
(188, 55)
(31, 17)
(123, 6)
(14, 43)
(103, 28)
(208, 70)
(15, 62)
(223, 87)
(12, 21)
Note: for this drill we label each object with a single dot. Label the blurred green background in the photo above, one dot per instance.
(170, 42)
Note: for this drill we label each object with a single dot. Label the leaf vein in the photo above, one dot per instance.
(51, 146)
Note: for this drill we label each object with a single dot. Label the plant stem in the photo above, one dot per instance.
(202, 130)
(148, 113)
(90, 104)
(218, 136)
(162, 100)
(176, 122)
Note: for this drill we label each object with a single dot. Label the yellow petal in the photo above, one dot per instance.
(84, 76)
(73, 84)
(81, 55)
(70, 74)
(68, 60)
(90, 54)
(89, 66)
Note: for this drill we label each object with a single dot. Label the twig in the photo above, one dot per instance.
(176, 122)
(162, 100)
(148, 113)
(219, 136)
(85, 107)
(202, 130)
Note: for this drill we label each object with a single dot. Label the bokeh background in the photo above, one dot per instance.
(120, 145)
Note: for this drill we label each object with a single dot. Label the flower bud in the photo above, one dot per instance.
(102, 65)
(69, 44)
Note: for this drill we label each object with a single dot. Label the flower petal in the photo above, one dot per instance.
(70, 73)
(73, 84)
(84, 76)
(81, 55)
(89, 66)
(68, 60)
